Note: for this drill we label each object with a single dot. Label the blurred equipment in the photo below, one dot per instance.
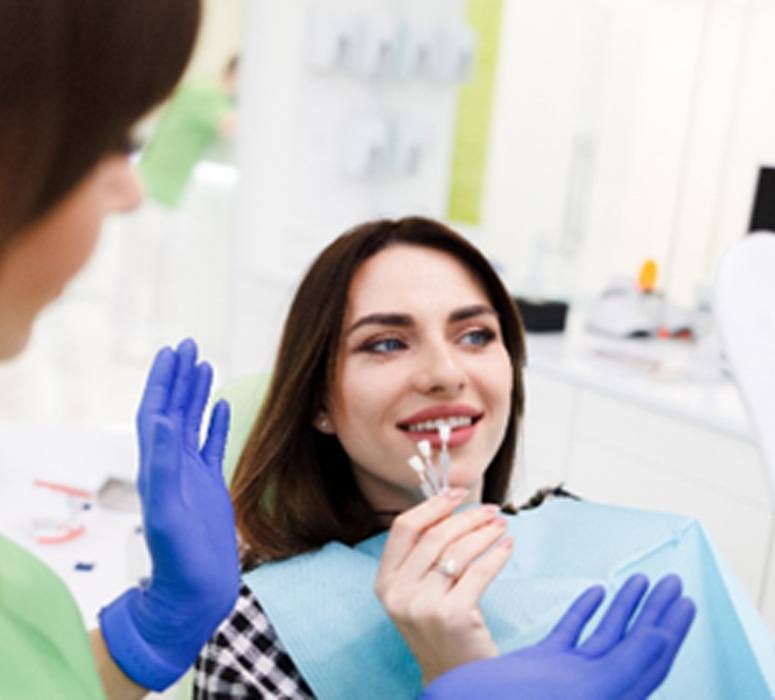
(541, 315)
(634, 309)
(745, 314)
(763, 209)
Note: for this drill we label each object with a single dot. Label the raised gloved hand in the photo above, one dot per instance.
(154, 633)
(615, 662)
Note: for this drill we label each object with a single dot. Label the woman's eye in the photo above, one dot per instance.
(480, 336)
(384, 345)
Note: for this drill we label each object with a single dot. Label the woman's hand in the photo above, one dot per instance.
(155, 633)
(434, 569)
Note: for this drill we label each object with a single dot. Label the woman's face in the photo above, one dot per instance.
(40, 261)
(421, 342)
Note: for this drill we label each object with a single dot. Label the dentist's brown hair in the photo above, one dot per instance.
(75, 76)
(293, 489)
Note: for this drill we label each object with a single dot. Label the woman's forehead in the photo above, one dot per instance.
(408, 277)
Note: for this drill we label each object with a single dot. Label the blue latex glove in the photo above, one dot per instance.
(155, 633)
(616, 662)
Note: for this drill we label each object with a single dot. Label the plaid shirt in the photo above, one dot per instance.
(246, 659)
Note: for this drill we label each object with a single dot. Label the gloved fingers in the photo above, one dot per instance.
(568, 630)
(217, 432)
(678, 619)
(613, 626)
(479, 574)
(163, 465)
(182, 386)
(674, 626)
(624, 667)
(159, 380)
(158, 384)
(153, 401)
(408, 527)
(436, 542)
(665, 592)
(202, 380)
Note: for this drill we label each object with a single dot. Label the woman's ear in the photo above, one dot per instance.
(323, 422)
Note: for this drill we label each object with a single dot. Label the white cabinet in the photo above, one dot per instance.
(614, 448)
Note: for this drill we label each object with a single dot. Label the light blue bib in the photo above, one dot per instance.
(324, 610)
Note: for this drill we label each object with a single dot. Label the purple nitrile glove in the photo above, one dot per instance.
(616, 662)
(154, 633)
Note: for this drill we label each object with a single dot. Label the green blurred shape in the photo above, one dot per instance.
(245, 396)
(474, 113)
(44, 649)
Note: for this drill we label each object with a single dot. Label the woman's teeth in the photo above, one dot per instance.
(430, 425)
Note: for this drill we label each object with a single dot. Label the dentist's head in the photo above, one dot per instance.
(75, 76)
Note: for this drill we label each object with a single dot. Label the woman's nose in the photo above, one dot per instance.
(439, 371)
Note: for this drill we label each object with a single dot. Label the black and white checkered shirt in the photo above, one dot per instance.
(246, 659)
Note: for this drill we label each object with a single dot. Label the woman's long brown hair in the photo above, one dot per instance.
(75, 75)
(293, 488)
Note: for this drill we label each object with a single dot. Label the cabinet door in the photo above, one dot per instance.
(739, 528)
(544, 438)
(632, 456)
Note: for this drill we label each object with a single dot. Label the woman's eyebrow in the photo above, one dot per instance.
(382, 319)
(405, 320)
(471, 311)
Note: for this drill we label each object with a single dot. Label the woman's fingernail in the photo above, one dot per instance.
(455, 494)
(506, 543)
(491, 508)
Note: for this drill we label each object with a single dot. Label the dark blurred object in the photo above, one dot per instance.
(763, 210)
(541, 316)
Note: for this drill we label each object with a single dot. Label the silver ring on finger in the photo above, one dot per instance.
(447, 567)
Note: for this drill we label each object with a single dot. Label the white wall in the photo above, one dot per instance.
(601, 90)
(220, 36)
(295, 123)
(625, 131)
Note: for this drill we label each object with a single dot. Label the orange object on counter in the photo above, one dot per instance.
(647, 279)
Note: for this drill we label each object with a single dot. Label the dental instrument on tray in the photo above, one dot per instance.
(434, 478)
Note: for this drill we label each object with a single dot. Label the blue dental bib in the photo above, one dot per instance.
(323, 607)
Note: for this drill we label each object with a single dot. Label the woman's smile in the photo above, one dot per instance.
(462, 420)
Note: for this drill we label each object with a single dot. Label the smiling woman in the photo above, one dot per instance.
(397, 327)
(380, 323)
(400, 339)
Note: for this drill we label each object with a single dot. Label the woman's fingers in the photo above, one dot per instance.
(466, 548)
(613, 626)
(437, 541)
(479, 574)
(408, 527)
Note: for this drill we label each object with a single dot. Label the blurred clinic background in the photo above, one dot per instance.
(602, 153)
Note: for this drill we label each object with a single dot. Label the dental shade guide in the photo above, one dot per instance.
(424, 446)
(444, 434)
(419, 466)
(433, 479)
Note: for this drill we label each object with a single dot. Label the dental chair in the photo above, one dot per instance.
(744, 307)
